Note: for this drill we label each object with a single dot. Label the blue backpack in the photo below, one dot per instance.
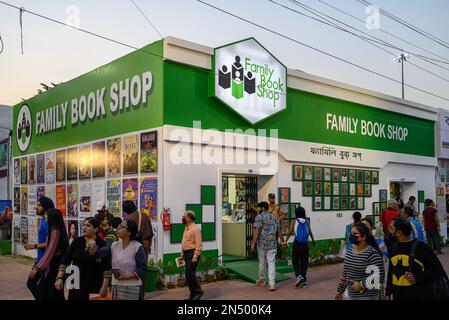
(302, 231)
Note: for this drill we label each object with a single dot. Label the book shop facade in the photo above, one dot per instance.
(181, 126)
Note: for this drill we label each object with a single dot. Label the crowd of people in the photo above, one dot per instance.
(397, 260)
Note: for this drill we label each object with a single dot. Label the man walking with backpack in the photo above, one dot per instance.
(300, 250)
(266, 232)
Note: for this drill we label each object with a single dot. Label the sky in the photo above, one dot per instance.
(55, 53)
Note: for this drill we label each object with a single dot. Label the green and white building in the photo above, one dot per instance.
(233, 124)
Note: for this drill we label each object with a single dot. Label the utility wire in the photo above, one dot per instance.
(320, 51)
(386, 32)
(2, 44)
(377, 40)
(146, 17)
(408, 25)
(79, 29)
(327, 22)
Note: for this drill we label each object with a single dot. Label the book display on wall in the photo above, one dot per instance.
(335, 188)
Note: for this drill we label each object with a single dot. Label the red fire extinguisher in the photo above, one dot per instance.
(165, 217)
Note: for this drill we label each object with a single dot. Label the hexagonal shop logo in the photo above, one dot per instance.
(250, 80)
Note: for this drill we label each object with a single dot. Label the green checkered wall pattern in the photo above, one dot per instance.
(205, 217)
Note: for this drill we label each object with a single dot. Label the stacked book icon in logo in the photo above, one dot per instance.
(236, 79)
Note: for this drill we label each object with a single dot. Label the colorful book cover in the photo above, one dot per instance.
(84, 161)
(60, 166)
(72, 164)
(40, 159)
(98, 159)
(24, 201)
(16, 201)
(32, 200)
(61, 202)
(113, 196)
(40, 192)
(32, 170)
(24, 229)
(130, 151)
(114, 155)
(16, 228)
(32, 230)
(98, 195)
(17, 171)
(85, 200)
(72, 230)
(148, 197)
(72, 200)
(130, 190)
(148, 152)
(50, 192)
(50, 168)
(24, 170)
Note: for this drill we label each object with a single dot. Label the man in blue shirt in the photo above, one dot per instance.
(43, 205)
(417, 230)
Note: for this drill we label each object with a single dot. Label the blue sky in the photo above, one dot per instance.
(54, 53)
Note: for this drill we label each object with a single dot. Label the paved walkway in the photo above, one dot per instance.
(322, 284)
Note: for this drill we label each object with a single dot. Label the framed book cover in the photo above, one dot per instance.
(327, 205)
(297, 173)
(352, 203)
(307, 188)
(293, 207)
(360, 203)
(351, 175)
(335, 203)
(376, 208)
(317, 203)
(327, 174)
(318, 188)
(308, 173)
(72, 164)
(359, 176)
(327, 189)
(375, 177)
(367, 190)
(61, 166)
(148, 152)
(98, 159)
(344, 203)
(352, 189)
(344, 175)
(367, 176)
(336, 188)
(85, 159)
(383, 195)
(344, 189)
(285, 208)
(318, 173)
(284, 195)
(336, 175)
(360, 190)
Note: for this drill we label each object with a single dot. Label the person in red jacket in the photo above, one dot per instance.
(432, 225)
(386, 217)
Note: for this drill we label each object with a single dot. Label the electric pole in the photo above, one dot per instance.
(400, 59)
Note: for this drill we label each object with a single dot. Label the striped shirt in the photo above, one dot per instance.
(365, 266)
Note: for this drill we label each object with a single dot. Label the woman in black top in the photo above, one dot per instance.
(94, 273)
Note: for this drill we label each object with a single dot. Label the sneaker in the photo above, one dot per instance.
(299, 281)
(304, 285)
(271, 287)
(260, 282)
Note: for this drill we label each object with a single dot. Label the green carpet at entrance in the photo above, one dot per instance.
(230, 258)
(249, 270)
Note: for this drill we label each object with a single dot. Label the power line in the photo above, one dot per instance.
(319, 50)
(327, 22)
(386, 32)
(146, 17)
(408, 25)
(80, 29)
(377, 40)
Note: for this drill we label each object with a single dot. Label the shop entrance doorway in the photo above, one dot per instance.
(239, 195)
(403, 190)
